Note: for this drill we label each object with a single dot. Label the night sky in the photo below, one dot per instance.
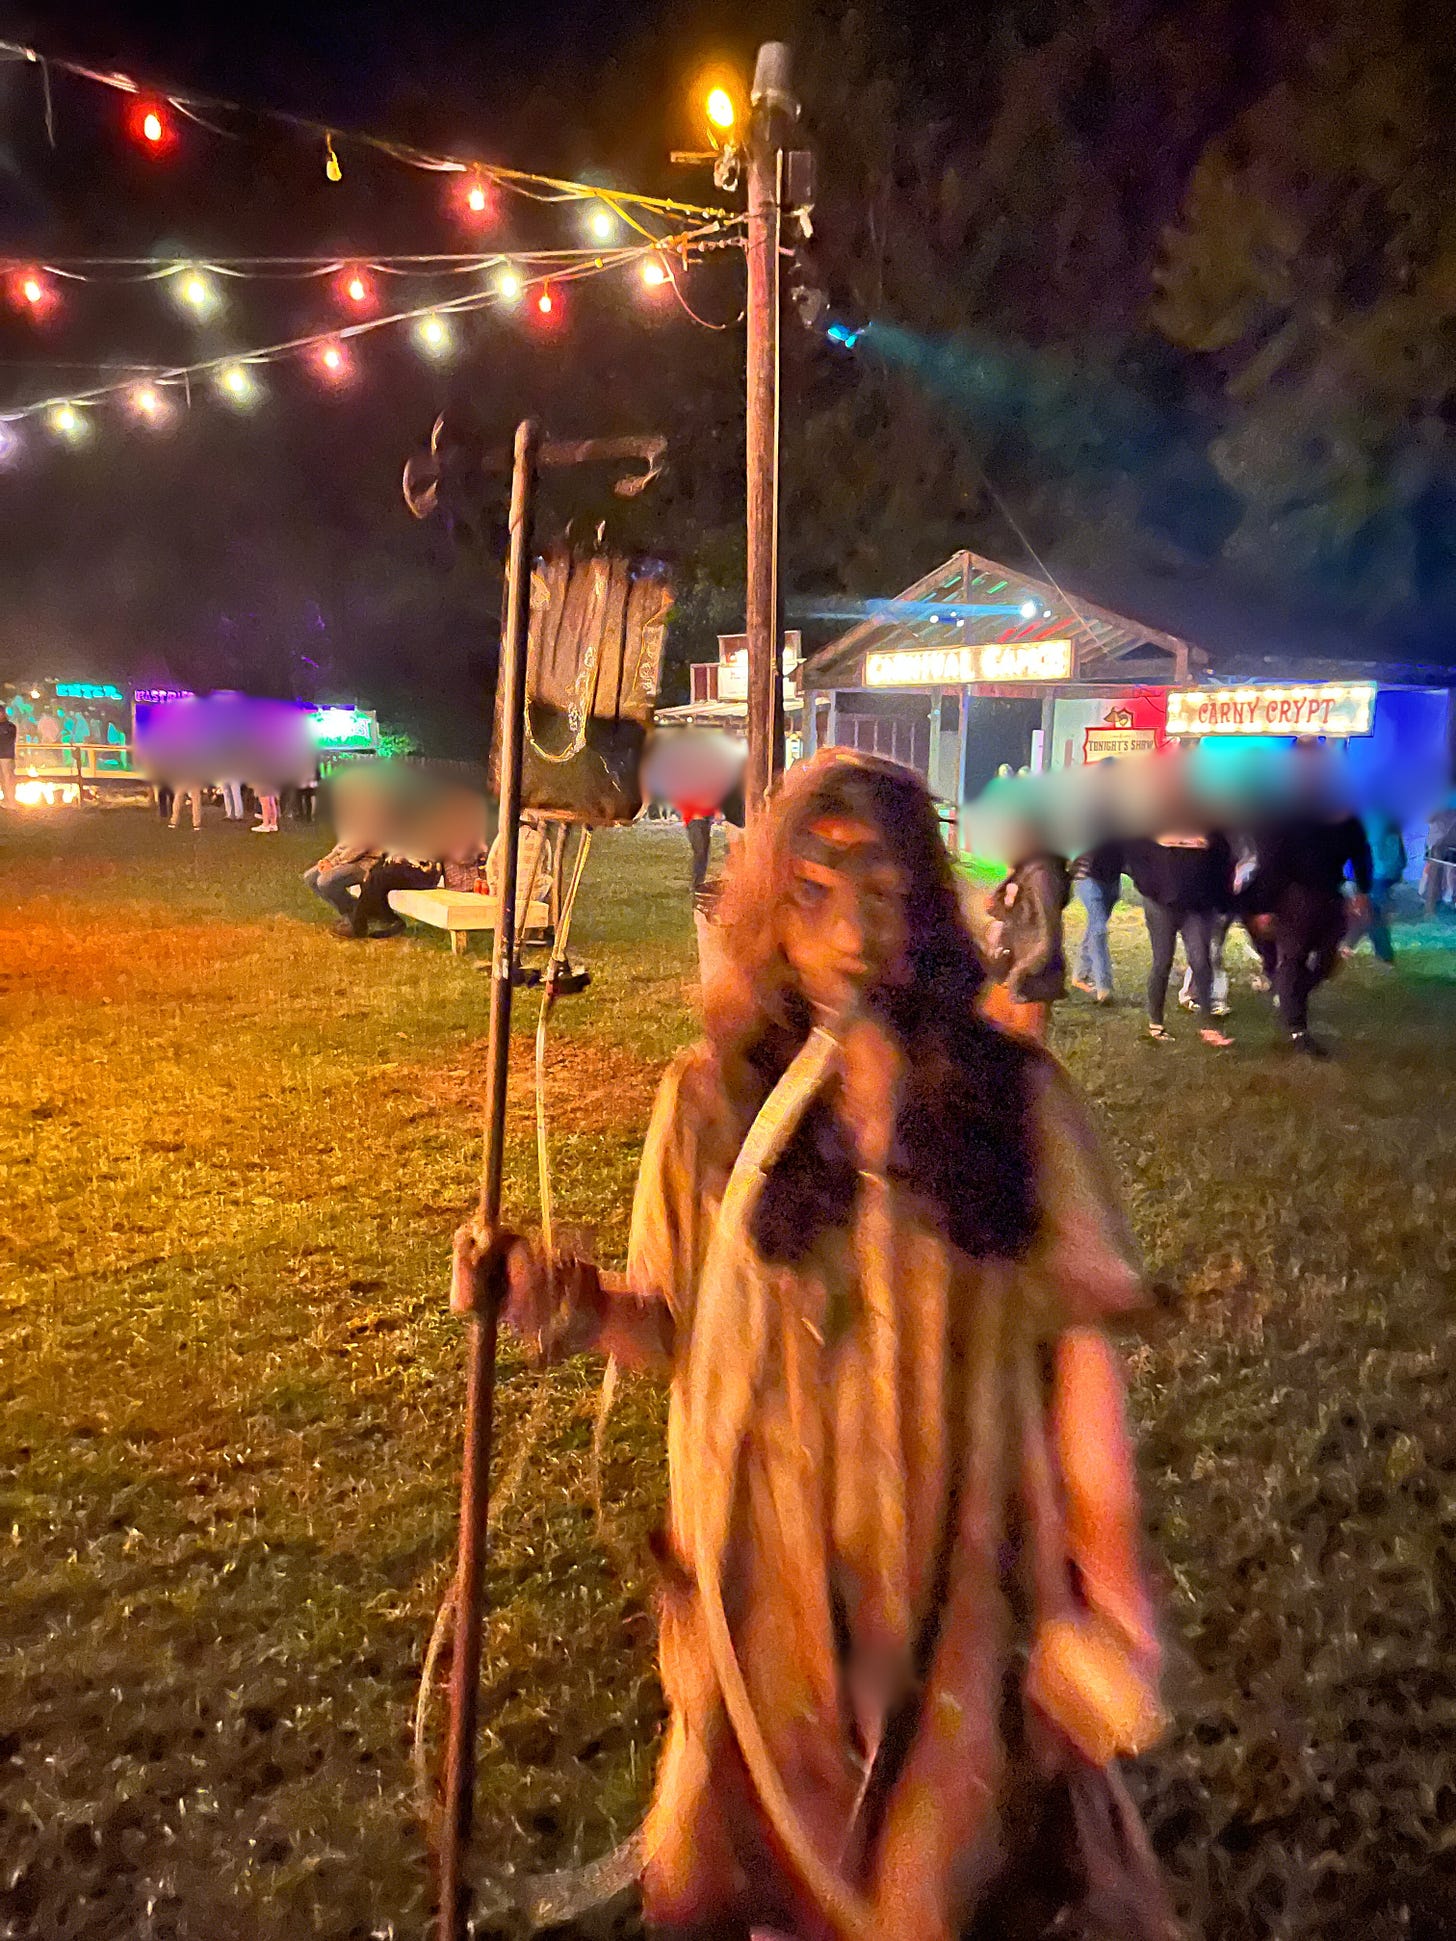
(261, 547)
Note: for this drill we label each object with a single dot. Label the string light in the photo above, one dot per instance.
(198, 293)
(655, 272)
(234, 378)
(150, 126)
(355, 288)
(236, 384)
(720, 109)
(147, 404)
(333, 363)
(32, 293)
(66, 421)
(164, 102)
(9, 445)
(473, 198)
(432, 334)
(602, 224)
(331, 161)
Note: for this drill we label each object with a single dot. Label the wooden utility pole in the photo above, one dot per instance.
(774, 112)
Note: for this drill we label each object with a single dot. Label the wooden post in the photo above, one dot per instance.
(459, 1813)
(961, 737)
(773, 111)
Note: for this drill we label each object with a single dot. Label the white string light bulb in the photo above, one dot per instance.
(432, 334)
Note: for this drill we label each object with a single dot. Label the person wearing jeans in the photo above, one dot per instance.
(1185, 880)
(1097, 881)
(344, 868)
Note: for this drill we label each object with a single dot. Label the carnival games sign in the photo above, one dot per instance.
(1325, 708)
(993, 661)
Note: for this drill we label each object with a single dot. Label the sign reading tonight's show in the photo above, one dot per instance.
(1324, 708)
(993, 660)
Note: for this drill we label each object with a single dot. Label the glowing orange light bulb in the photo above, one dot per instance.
(357, 291)
(32, 290)
(152, 126)
(475, 201)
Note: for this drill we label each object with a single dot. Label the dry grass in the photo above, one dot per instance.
(232, 1152)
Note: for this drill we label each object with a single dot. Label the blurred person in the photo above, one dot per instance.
(1185, 880)
(1296, 898)
(232, 800)
(183, 792)
(341, 871)
(1438, 878)
(267, 823)
(371, 915)
(162, 794)
(9, 735)
(1024, 949)
(698, 823)
(905, 1631)
(1097, 884)
(1387, 869)
(1243, 856)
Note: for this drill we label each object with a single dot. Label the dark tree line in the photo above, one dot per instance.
(1165, 293)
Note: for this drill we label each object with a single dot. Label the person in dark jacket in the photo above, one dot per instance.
(1097, 884)
(1024, 950)
(1295, 908)
(1185, 879)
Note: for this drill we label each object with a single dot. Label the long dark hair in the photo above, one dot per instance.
(963, 1141)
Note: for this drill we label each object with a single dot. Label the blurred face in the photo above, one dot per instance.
(844, 930)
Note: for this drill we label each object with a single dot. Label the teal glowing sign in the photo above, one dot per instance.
(87, 691)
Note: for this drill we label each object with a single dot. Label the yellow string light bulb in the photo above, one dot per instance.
(331, 161)
(720, 109)
(433, 336)
(235, 383)
(654, 272)
(198, 293)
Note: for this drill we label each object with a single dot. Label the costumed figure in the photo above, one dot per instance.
(905, 1633)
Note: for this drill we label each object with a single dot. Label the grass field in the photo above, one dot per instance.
(232, 1152)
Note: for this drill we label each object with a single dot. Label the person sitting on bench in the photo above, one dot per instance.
(371, 914)
(344, 869)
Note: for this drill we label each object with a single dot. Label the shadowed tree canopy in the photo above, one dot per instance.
(1162, 290)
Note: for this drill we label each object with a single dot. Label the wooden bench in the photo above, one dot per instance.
(461, 911)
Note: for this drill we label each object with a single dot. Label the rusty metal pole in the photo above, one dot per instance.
(772, 118)
(459, 1814)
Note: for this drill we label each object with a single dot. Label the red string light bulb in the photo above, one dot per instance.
(32, 293)
(150, 126)
(354, 288)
